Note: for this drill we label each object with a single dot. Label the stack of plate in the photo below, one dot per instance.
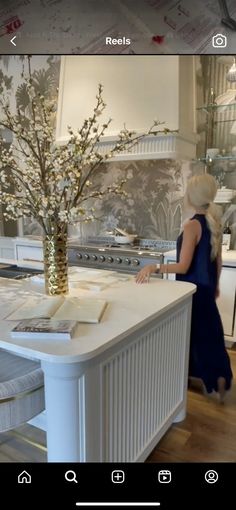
(224, 195)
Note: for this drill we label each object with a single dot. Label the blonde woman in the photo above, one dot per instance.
(199, 262)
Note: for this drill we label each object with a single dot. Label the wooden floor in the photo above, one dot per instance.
(25, 444)
(208, 434)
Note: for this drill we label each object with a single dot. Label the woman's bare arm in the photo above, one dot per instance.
(191, 236)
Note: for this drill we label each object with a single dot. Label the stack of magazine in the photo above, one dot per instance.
(55, 317)
(48, 329)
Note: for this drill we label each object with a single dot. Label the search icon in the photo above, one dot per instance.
(70, 476)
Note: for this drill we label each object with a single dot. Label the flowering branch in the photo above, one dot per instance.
(52, 182)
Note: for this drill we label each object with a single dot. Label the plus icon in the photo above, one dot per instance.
(117, 476)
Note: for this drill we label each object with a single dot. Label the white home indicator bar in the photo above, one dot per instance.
(119, 504)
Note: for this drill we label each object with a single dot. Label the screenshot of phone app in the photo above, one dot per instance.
(117, 251)
(117, 27)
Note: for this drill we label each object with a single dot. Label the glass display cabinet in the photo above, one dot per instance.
(220, 149)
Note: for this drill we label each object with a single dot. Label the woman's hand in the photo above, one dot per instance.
(217, 293)
(145, 273)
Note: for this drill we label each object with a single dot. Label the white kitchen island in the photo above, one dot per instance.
(115, 388)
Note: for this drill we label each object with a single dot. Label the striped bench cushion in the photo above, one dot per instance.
(21, 390)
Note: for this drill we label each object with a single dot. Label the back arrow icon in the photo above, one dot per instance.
(12, 40)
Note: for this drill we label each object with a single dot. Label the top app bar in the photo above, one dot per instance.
(117, 26)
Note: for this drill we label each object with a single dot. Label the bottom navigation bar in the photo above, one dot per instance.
(104, 485)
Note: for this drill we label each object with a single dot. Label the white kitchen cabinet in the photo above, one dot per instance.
(227, 299)
(29, 253)
(28, 249)
(7, 247)
(170, 258)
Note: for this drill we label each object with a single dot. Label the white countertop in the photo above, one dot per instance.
(28, 241)
(130, 306)
(34, 264)
(228, 257)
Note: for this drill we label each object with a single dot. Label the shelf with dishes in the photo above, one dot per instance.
(222, 103)
(217, 107)
(225, 195)
(219, 119)
(220, 126)
(215, 159)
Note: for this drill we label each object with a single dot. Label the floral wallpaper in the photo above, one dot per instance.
(45, 72)
(155, 188)
(153, 207)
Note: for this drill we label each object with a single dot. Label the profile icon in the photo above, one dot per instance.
(211, 476)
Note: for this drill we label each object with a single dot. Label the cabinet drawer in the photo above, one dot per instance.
(29, 252)
(7, 253)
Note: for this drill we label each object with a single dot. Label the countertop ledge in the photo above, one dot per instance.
(130, 306)
(228, 257)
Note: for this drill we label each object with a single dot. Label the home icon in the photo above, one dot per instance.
(24, 477)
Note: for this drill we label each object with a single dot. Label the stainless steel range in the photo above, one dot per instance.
(122, 258)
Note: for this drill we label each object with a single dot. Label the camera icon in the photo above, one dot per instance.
(219, 41)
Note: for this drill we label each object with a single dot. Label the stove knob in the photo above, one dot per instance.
(94, 257)
(78, 255)
(127, 261)
(86, 256)
(101, 258)
(135, 262)
(118, 260)
(110, 259)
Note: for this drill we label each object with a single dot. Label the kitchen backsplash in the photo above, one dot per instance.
(153, 208)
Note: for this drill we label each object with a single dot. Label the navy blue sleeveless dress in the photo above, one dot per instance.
(208, 359)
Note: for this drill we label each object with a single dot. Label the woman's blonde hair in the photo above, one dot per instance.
(200, 193)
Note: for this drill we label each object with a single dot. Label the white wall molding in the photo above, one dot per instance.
(154, 147)
(151, 147)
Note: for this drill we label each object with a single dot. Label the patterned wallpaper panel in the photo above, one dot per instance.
(45, 72)
(154, 206)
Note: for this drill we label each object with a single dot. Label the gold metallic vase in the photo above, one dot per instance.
(55, 264)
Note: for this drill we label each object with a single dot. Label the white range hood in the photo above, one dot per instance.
(137, 91)
(171, 146)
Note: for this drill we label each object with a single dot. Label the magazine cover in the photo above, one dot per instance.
(46, 328)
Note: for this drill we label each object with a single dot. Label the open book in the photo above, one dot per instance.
(61, 308)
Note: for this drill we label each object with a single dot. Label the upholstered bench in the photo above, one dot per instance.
(21, 390)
